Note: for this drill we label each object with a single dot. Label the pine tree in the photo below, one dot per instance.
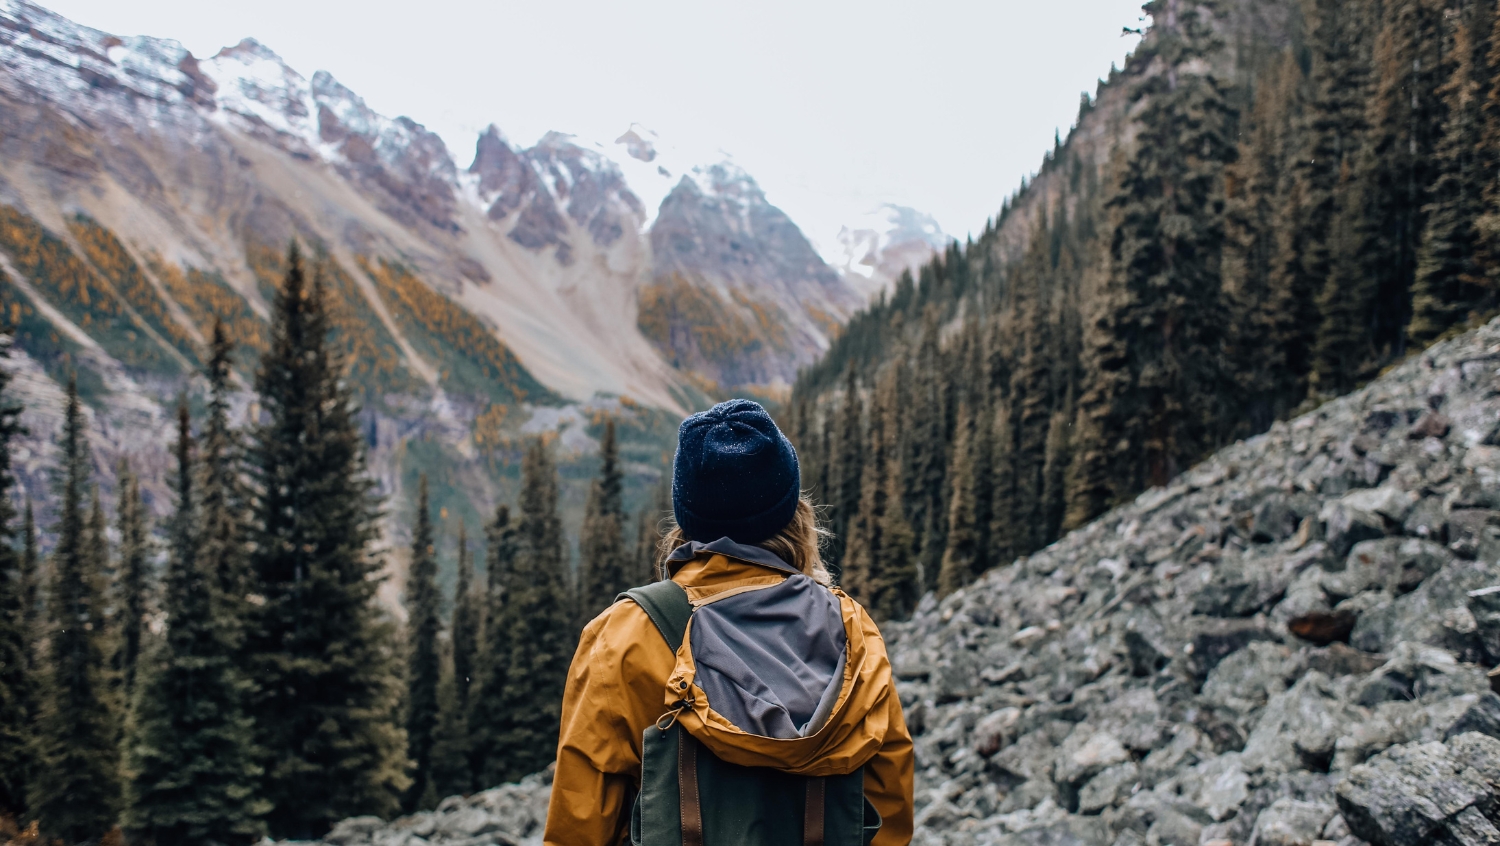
(224, 498)
(452, 770)
(1365, 304)
(893, 585)
(1257, 283)
(96, 549)
(1449, 287)
(17, 685)
(1329, 135)
(540, 630)
(962, 557)
(321, 653)
(31, 575)
(601, 542)
(1030, 388)
(134, 584)
(1487, 250)
(424, 627)
(862, 549)
(190, 766)
(846, 474)
(487, 718)
(1155, 382)
(923, 443)
(75, 793)
(467, 614)
(451, 774)
(1057, 454)
(881, 569)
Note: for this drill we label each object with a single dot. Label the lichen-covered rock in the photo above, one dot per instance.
(1290, 822)
(1425, 793)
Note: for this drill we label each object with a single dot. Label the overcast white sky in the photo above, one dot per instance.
(835, 107)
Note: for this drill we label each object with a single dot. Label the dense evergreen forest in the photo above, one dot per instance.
(1271, 223)
(236, 678)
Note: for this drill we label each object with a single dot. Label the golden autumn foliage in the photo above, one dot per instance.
(205, 296)
(76, 290)
(489, 432)
(33, 332)
(693, 322)
(110, 258)
(453, 336)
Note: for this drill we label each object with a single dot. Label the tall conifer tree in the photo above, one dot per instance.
(1156, 382)
(134, 582)
(1321, 198)
(224, 498)
(76, 790)
(320, 651)
(1449, 286)
(424, 627)
(452, 768)
(17, 685)
(602, 540)
(190, 765)
(488, 720)
(1264, 345)
(961, 559)
(31, 575)
(1031, 387)
(540, 632)
(468, 613)
(1487, 249)
(1365, 303)
(846, 472)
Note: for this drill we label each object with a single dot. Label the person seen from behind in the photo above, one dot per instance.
(741, 701)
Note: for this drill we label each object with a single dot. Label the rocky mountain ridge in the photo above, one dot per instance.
(1289, 645)
(521, 295)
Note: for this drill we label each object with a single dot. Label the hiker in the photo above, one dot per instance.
(743, 701)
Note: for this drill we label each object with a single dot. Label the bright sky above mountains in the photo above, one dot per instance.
(834, 107)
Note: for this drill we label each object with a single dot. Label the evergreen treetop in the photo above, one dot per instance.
(75, 792)
(320, 651)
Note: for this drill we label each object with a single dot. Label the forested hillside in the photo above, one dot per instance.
(1266, 206)
(226, 673)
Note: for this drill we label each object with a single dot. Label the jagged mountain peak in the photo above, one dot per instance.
(536, 191)
(67, 59)
(873, 252)
(725, 180)
(250, 48)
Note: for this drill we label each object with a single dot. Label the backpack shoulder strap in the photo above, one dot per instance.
(666, 603)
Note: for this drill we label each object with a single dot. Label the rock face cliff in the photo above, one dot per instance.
(1289, 644)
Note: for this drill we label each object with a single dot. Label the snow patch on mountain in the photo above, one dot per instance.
(874, 250)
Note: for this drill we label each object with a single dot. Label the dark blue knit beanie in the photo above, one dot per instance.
(735, 475)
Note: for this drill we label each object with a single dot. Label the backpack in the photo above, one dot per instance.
(689, 797)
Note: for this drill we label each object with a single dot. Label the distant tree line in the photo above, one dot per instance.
(1252, 249)
(250, 685)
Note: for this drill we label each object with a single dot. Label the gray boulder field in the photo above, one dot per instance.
(1288, 645)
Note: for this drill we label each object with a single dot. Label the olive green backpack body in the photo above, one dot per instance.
(689, 797)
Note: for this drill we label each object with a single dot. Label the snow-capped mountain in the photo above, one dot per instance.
(570, 275)
(873, 252)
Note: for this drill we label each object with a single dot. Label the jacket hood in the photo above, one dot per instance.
(776, 670)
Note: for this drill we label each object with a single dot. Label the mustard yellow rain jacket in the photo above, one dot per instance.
(618, 685)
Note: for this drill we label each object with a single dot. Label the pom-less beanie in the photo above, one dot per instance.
(735, 475)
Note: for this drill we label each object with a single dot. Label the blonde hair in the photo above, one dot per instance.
(799, 543)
